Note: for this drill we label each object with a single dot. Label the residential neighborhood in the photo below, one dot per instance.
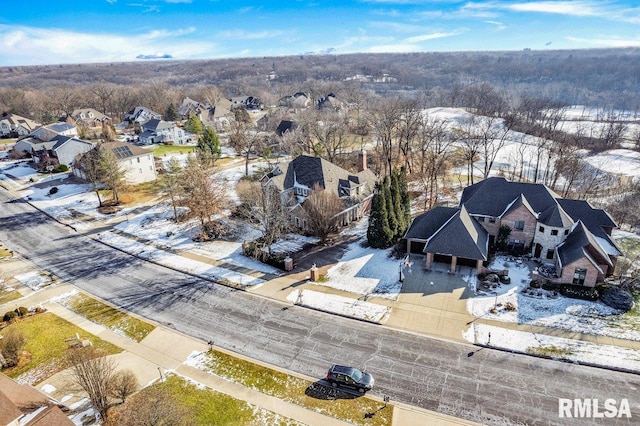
(350, 248)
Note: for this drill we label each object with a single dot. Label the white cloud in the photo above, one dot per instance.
(433, 36)
(34, 46)
(575, 8)
(499, 25)
(605, 42)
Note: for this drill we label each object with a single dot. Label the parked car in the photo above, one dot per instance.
(340, 375)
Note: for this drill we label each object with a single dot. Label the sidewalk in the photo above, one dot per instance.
(166, 350)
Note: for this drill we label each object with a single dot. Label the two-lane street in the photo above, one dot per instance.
(490, 387)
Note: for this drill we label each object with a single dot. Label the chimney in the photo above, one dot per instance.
(362, 160)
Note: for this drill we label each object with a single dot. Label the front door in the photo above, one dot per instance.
(538, 251)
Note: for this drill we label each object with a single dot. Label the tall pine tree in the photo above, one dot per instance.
(392, 220)
(398, 209)
(378, 232)
(404, 195)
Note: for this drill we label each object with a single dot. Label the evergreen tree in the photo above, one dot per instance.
(194, 125)
(378, 232)
(404, 195)
(208, 147)
(392, 220)
(396, 199)
(171, 114)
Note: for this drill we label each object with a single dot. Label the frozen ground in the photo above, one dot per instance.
(365, 270)
(346, 306)
(558, 347)
(547, 309)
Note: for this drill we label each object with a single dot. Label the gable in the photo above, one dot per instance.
(460, 236)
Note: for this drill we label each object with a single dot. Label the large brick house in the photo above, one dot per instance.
(570, 234)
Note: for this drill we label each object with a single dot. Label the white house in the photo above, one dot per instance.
(159, 131)
(137, 163)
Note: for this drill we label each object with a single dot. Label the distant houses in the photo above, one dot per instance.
(15, 126)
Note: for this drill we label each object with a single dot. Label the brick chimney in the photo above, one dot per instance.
(362, 160)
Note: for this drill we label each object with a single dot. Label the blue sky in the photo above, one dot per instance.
(73, 31)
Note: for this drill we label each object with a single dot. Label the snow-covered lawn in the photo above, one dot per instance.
(178, 262)
(340, 305)
(34, 280)
(556, 347)
(544, 308)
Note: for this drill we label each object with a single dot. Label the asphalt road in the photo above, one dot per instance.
(487, 386)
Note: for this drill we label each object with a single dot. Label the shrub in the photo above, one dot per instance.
(59, 168)
(21, 311)
(585, 293)
(617, 298)
(8, 316)
(53, 190)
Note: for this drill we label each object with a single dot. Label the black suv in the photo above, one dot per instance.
(340, 375)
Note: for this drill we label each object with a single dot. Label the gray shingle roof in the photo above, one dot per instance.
(308, 171)
(492, 195)
(555, 216)
(425, 225)
(460, 236)
(580, 243)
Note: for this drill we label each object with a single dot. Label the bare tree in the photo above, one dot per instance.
(203, 192)
(92, 371)
(322, 208)
(384, 120)
(89, 166)
(170, 183)
(110, 171)
(123, 384)
(326, 133)
(263, 205)
(435, 143)
(153, 406)
(11, 346)
(244, 138)
(104, 95)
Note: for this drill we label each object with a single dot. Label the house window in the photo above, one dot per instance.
(579, 276)
(566, 232)
(519, 225)
(138, 159)
(550, 254)
(541, 229)
(492, 220)
(554, 232)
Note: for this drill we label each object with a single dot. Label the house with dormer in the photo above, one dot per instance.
(89, 117)
(13, 125)
(167, 132)
(528, 218)
(296, 180)
(141, 115)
